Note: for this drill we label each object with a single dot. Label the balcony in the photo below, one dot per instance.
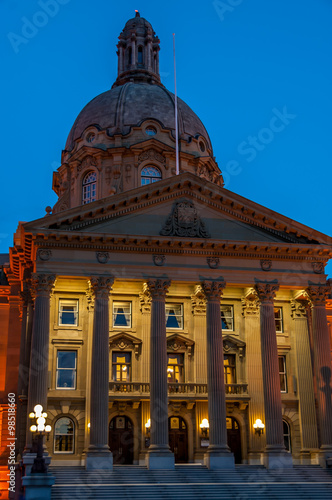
(138, 390)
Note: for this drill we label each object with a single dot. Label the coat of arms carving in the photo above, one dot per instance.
(184, 221)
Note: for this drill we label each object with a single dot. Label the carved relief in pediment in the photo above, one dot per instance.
(234, 346)
(151, 154)
(185, 221)
(126, 341)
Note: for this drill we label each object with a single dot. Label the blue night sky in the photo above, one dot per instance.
(240, 64)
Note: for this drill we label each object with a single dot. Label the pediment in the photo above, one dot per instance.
(233, 345)
(125, 341)
(179, 343)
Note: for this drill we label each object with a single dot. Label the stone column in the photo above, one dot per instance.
(159, 456)
(322, 360)
(145, 308)
(275, 455)
(305, 383)
(198, 302)
(218, 455)
(250, 312)
(99, 455)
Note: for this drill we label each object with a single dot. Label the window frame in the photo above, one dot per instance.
(280, 319)
(283, 373)
(150, 178)
(181, 315)
(180, 365)
(231, 367)
(127, 364)
(71, 452)
(60, 324)
(227, 317)
(57, 369)
(124, 314)
(85, 185)
(287, 435)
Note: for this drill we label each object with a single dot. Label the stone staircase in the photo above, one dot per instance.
(192, 482)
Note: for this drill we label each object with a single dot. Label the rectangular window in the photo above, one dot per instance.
(227, 317)
(66, 369)
(122, 314)
(175, 372)
(229, 369)
(174, 316)
(121, 366)
(282, 373)
(278, 319)
(68, 312)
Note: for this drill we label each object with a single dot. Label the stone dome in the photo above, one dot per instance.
(129, 105)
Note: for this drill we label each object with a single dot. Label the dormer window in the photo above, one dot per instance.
(140, 55)
(89, 188)
(149, 175)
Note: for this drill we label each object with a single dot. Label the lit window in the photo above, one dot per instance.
(89, 188)
(175, 368)
(122, 314)
(64, 431)
(66, 370)
(278, 319)
(229, 369)
(282, 373)
(227, 317)
(121, 366)
(287, 435)
(140, 55)
(149, 175)
(68, 312)
(174, 316)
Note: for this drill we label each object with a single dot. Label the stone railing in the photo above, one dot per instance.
(138, 388)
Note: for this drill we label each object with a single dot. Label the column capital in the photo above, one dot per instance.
(299, 309)
(266, 291)
(158, 288)
(145, 299)
(250, 304)
(317, 294)
(101, 286)
(42, 284)
(213, 290)
(198, 301)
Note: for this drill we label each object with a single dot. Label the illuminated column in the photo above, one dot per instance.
(41, 286)
(250, 312)
(275, 455)
(198, 303)
(322, 356)
(305, 383)
(159, 456)
(99, 455)
(218, 454)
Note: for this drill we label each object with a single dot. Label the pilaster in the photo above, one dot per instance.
(198, 302)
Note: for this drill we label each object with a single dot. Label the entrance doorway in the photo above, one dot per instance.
(121, 440)
(178, 439)
(234, 438)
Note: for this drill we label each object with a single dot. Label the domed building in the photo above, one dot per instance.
(158, 317)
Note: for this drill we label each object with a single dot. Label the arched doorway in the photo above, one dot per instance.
(178, 439)
(234, 438)
(121, 440)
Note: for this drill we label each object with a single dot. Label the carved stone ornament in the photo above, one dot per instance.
(151, 154)
(213, 262)
(250, 306)
(233, 346)
(103, 257)
(159, 260)
(184, 221)
(101, 286)
(266, 265)
(158, 288)
(299, 310)
(213, 289)
(178, 343)
(145, 299)
(42, 284)
(318, 267)
(44, 254)
(88, 161)
(125, 341)
(266, 291)
(317, 294)
(198, 301)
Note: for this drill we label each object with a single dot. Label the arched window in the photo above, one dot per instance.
(149, 175)
(89, 188)
(287, 435)
(64, 433)
(140, 55)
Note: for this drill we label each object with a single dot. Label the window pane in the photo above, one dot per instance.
(278, 319)
(149, 175)
(175, 368)
(227, 317)
(66, 379)
(64, 436)
(68, 312)
(66, 359)
(122, 314)
(174, 316)
(121, 370)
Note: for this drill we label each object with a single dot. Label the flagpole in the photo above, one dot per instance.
(176, 114)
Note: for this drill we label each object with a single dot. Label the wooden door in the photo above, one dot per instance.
(178, 439)
(121, 440)
(234, 438)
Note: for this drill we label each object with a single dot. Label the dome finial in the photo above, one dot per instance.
(137, 13)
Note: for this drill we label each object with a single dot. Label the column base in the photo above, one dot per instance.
(255, 458)
(305, 457)
(99, 460)
(38, 486)
(160, 459)
(325, 456)
(29, 458)
(277, 459)
(222, 458)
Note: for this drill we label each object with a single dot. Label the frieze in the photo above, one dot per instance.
(184, 221)
(151, 154)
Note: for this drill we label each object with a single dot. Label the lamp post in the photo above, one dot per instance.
(40, 430)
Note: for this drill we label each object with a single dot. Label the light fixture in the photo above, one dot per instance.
(148, 427)
(259, 427)
(204, 425)
(39, 419)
